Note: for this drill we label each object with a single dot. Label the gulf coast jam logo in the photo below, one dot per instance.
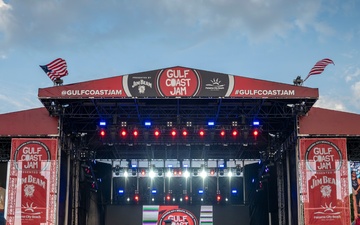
(178, 82)
(323, 156)
(178, 217)
(32, 155)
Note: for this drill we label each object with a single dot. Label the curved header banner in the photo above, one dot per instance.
(178, 82)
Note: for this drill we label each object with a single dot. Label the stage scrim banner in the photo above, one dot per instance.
(32, 190)
(324, 181)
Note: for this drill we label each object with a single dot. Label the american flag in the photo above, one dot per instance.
(319, 67)
(56, 69)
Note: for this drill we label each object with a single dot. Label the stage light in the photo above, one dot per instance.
(173, 199)
(168, 174)
(135, 133)
(212, 172)
(133, 172)
(123, 124)
(234, 123)
(238, 171)
(188, 124)
(123, 133)
(156, 133)
(186, 198)
(153, 191)
(173, 133)
(121, 191)
(222, 133)
(230, 174)
(201, 133)
(160, 172)
(203, 174)
(255, 133)
(136, 197)
(184, 133)
(143, 172)
(234, 133)
(234, 191)
(152, 199)
(128, 199)
(218, 198)
(201, 191)
(102, 123)
(147, 123)
(256, 123)
(151, 174)
(181, 199)
(186, 174)
(211, 123)
(126, 174)
(169, 124)
(168, 197)
(102, 133)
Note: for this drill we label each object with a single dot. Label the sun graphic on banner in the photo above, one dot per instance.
(29, 190)
(325, 191)
(30, 207)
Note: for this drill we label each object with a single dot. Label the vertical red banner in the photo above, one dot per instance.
(324, 181)
(32, 182)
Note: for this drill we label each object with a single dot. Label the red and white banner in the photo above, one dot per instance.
(178, 82)
(32, 180)
(324, 181)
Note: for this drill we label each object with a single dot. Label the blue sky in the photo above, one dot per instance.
(273, 40)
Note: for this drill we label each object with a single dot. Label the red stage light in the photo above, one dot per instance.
(102, 133)
(201, 133)
(168, 197)
(173, 133)
(255, 133)
(234, 133)
(184, 133)
(143, 172)
(218, 198)
(212, 172)
(222, 133)
(135, 133)
(186, 198)
(123, 133)
(136, 198)
(157, 133)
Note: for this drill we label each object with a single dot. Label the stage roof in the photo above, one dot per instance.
(28, 123)
(327, 122)
(178, 95)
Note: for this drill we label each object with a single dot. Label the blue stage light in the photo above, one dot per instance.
(147, 123)
(121, 191)
(201, 191)
(256, 123)
(153, 191)
(102, 123)
(211, 123)
(234, 191)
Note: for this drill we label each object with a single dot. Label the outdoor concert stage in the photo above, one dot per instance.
(179, 144)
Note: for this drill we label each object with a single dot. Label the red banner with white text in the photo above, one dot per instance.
(32, 180)
(324, 181)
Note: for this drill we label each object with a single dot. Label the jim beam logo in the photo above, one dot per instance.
(32, 155)
(141, 85)
(323, 156)
(178, 82)
(178, 217)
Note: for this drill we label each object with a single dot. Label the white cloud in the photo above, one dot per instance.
(67, 24)
(351, 73)
(329, 102)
